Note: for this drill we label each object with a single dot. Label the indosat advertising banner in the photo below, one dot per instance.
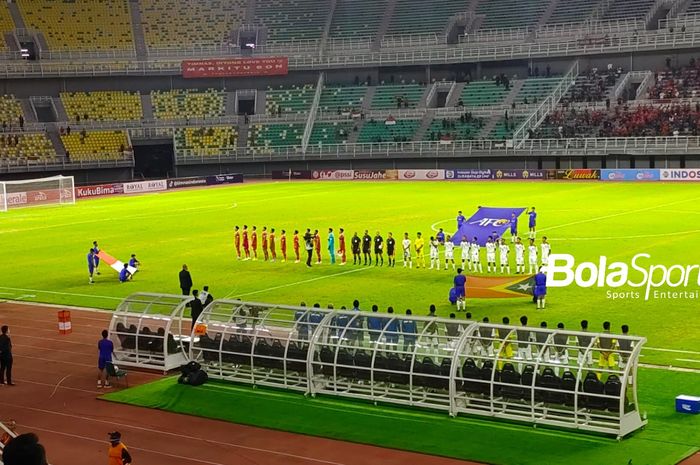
(639, 278)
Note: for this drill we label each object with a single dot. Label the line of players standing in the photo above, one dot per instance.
(246, 243)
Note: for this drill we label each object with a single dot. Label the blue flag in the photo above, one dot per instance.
(485, 222)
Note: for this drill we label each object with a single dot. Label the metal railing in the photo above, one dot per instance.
(689, 20)
(23, 165)
(595, 26)
(496, 35)
(308, 128)
(412, 40)
(575, 147)
(647, 81)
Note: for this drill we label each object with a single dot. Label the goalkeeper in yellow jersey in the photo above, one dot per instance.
(419, 245)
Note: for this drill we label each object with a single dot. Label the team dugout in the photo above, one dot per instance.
(578, 380)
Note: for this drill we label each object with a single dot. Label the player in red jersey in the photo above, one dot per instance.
(246, 245)
(264, 242)
(296, 246)
(283, 245)
(237, 241)
(341, 245)
(317, 246)
(273, 253)
(254, 242)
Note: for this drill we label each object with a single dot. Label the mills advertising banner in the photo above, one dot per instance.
(235, 67)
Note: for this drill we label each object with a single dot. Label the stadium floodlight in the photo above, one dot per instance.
(34, 192)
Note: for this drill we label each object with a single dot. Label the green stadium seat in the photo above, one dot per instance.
(421, 17)
(290, 20)
(481, 93)
(378, 131)
(267, 138)
(188, 103)
(386, 97)
(289, 100)
(357, 18)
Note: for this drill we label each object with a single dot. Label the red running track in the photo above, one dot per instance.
(56, 397)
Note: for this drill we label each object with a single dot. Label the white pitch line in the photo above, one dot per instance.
(434, 227)
(676, 351)
(688, 360)
(294, 283)
(669, 368)
(62, 293)
(639, 236)
(613, 215)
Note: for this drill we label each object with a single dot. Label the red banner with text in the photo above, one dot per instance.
(235, 67)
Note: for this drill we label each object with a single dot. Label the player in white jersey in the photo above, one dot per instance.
(406, 244)
(532, 256)
(490, 255)
(434, 253)
(449, 252)
(504, 250)
(546, 250)
(466, 258)
(474, 254)
(519, 256)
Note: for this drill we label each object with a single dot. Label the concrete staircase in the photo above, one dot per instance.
(250, 12)
(55, 139)
(147, 106)
(489, 126)
(11, 42)
(327, 25)
(384, 26)
(229, 103)
(419, 135)
(455, 95)
(28, 111)
(137, 28)
(369, 96)
(548, 12)
(354, 136)
(242, 133)
(515, 88)
(61, 114)
(260, 102)
(16, 15)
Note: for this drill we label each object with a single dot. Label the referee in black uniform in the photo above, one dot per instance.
(367, 247)
(390, 250)
(355, 246)
(378, 249)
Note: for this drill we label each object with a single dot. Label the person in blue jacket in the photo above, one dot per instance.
(540, 290)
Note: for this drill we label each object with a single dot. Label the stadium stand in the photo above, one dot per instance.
(511, 13)
(188, 103)
(6, 24)
(206, 141)
(10, 110)
(483, 93)
(536, 90)
(463, 128)
(693, 7)
(103, 105)
(342, 98)
(292, 20)
(168, 23)
(384, 131)
(628, 9)
(264, 138)
(95, 145)
(504, 129)
(387, 97)
(680, 83)
(26, 147)
(357, 18)
(81, 24)
(418, 16)
(571, 11)
(292, 100)
(330, 133)
(592, 86)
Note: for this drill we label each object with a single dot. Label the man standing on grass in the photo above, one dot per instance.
(317, 246)
(460, 219)
(519, 256)
(475, 255)
(91, 264)
(295, 245)
(460, 285)
(309, 246)
(406, 245)
(331, 245)
(196, 307)
(513, 227)
(449, 252)
(440, 236)
(546, 250)
(391, 250)
(341, 246)
(105, 349)
(367, 247)
(185, 280)
(504, 251)
(263, 237)
(273, 252)
(246, 244)
(254, 242)
(283, 245)
(96, 248)
(532, 222)
(355, 245)
(378, 249)
(419, 245)
(490, 255)
(237, 241)
(540, 291)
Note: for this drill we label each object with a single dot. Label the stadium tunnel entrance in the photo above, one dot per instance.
(154, 160)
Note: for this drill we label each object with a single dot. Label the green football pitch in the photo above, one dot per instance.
(44, 249)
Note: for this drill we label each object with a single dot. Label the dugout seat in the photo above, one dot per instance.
(445, 370)
(400, 366)
(471, 371)
(592, 385)
(381, 364)
(262, 351)
(526, 380)
(121, 333)
(228, 349)
(209, 348)
(550, 380)
(277, 351)
(509, 375)
(158, 342)
(345, 358)
(363, 362)
(327, 359)
(296, 358)
(568, 383)
(145, 341)
(130, 340)
(486, 370)
(613, 387)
